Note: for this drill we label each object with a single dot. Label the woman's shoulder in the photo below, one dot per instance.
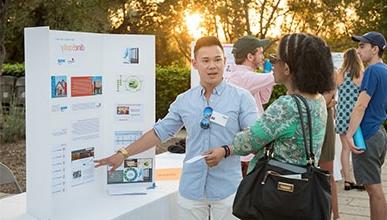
(339, 77)
(284, 100)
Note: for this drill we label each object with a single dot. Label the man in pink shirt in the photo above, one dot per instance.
(248, 54)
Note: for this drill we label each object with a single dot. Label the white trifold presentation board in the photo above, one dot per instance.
(230, 63)
(338, 59)
(87, 95)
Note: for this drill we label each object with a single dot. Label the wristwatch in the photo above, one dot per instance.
(124, 152)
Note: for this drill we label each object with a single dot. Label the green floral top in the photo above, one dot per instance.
(281, 123)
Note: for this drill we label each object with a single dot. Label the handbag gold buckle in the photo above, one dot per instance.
(286, 187)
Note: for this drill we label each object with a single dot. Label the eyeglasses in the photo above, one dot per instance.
(205, 122)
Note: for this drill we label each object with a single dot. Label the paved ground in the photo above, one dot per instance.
(353, 204)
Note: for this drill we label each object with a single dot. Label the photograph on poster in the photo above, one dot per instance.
(137, 170)
(86, 86)
(130, 112)
(58, 86)
(124, 138)
(122, 110)
(131, 55)
(129, 83)
(82, 166)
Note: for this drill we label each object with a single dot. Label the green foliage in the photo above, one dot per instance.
(16, 69)
(12, 124)
(278, 91)
(85, 15)
(170, 81)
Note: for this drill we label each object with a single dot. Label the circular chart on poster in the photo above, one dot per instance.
(133, 84)
(130, 174)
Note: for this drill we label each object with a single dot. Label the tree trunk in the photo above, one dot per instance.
(3, 11)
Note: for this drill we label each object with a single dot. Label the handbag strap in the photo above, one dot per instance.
(309, 152)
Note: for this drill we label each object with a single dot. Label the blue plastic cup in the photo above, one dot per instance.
(267, 66)
(358, 139)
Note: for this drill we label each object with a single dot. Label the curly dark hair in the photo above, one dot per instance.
(310, 62)
(206, 42)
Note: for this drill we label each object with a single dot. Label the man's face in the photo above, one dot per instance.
(210, 62)
(258, 58)
(366, 51)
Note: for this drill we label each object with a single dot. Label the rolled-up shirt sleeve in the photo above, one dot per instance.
(369, 82)
(171, 123)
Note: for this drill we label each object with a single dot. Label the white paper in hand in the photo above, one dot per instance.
(196, 158)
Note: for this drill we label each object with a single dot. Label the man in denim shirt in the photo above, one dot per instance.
(212, 114)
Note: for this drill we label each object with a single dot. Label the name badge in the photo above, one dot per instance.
(219, 118)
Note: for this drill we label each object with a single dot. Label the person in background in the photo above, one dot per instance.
(348, 82)
(328, 150)
(248, 55)
(369, 113)
(212, 114)
(304, 65)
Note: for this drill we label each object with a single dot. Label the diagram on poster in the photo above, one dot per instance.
(127, 83)
(82, 166)
(137, 170)
(124, 138)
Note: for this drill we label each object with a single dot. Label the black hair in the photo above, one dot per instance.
(310, 62)
(206, 42)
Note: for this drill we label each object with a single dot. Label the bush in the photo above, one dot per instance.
(170, 81)
(13, 69)
(278, 91)
(12, 124)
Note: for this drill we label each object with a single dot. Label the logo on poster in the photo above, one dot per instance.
(73, 47)
(62, 61)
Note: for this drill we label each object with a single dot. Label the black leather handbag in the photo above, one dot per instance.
(275, 190)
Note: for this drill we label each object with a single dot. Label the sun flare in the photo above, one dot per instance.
(193, 24)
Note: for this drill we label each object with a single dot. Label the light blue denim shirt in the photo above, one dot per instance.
(198, 181)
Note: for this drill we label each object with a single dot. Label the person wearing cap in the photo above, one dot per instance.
(248, 55)
(369, 113)
(212, 114)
